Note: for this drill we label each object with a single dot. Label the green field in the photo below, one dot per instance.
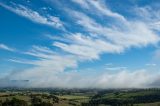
(146, 97)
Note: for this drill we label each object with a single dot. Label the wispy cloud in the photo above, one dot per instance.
(83, 3)
(151, 64)
(100, 38)
(21, 61)
(5, 47)
(129, 34)
(46, 64)
(116, 68)
(46, 58)
(87, 47)
(149, 15)
(35, 16)
(100, 8)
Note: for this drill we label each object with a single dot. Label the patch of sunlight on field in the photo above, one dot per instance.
(73, 97)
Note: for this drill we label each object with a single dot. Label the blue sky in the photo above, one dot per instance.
(80, 43)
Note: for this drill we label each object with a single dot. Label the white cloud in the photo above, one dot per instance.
(87, 47)
(49, 71)
(127, 79)
(149, 64)
(46, 58)
(5, 47)
(42, 49)
(35, 16)
(99, 7)
(106, 39)
(149, 15)
(115, 68)
(56, 63)
(47, 65)
(122, 79)
(82, 3)
(21, 61)
(123, 32)
(108, 64)
(129, 34)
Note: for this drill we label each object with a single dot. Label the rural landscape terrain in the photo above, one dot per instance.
(79, 97)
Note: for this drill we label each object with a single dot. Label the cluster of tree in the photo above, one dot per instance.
(13, 102)
(147, 98)
(35, 101)
(73, 102)
(7, 95)
(112, 102)
(96, 100)
(55, 99)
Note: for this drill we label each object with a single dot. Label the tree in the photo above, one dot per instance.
(14, 102)
(0, 102)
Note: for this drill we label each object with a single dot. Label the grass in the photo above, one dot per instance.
(148, 104)
(71, 97)
(78, 98)
(126, 95)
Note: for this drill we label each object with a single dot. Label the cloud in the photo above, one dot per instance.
(122, 79)
(116, 68)
(87, 47)
(111, 67)
(151, 64)
(108, 64)
(5, 47)
(82, 3)
(99, 7)
(128, 79)
(127, 35)
(35, 16)
(149, 15)
(46, 64)
(49, 70)
(46, 58)
(42, 49)
(100, 39)
(123, 31)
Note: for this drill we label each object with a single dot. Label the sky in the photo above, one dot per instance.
(80, 43)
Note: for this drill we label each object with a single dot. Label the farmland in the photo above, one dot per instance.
(79, 97)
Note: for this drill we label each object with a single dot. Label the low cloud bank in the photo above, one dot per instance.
(44, 79)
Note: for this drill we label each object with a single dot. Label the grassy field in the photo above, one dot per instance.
(148, 104)
(64, 100)
(77, 98)
(126, 95)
